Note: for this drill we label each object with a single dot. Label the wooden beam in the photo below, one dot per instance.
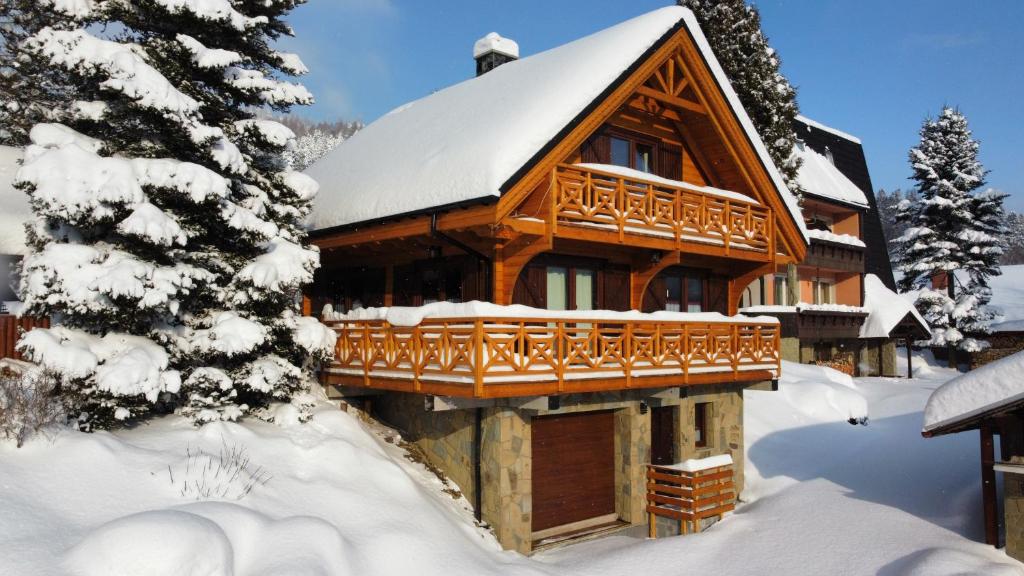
(671, 100)
(509, 261)
(988, 485)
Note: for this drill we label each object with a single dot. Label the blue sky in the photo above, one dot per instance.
(874, 68)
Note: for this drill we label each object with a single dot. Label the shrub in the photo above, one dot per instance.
(227, 474)
(27, 402)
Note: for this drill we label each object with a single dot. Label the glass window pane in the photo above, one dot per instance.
(584, 289)
(558, 288)
(694, 294)
(642, 161)
(620, 152)
(673, 294)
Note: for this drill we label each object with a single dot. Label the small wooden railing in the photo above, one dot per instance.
(627, 206)
(494, 357)
(11, 328)
(688, 497)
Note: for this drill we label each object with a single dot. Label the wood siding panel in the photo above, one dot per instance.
(615, 289)
(669, 163)
(573, 468)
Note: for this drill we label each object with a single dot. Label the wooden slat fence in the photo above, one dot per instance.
(688, 497)
(11, 328)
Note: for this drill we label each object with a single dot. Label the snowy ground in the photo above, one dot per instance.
(824, 497)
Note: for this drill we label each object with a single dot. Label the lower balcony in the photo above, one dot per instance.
(500, 356)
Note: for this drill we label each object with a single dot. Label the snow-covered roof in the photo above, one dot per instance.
(14, 208)
(820, 177)
(829, 129)
(493, 42)
(467, 141)
(886, 309)
(981, 390)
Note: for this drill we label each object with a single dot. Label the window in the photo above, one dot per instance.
(632, 152)
(570, 288)
(824, 291)
(701, 419)
(753, 295)
(781, 290)
(684, 292)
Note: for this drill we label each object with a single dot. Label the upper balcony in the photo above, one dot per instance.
(495, 356)
(839, 252)
(611, 204)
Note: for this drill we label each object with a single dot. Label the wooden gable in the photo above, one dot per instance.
(673, 91)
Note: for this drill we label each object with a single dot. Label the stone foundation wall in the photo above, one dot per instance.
(506, 453)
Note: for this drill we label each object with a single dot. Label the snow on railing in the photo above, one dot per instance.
(605, 197)
(528, 351)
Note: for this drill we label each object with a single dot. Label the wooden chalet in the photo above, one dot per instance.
(614, 173)
(821, 301)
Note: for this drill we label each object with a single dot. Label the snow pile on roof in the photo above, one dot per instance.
(886, 309)
(820, 177)
(493, 42)
(829, 129)
(413, 315)
(14, 208)
(980, 390)
(837, 238)
(698, 464)
(465, 142)
(648, 177)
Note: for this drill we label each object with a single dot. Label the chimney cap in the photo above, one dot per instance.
(493, 42)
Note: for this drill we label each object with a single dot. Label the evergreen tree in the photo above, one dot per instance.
(311, 147)
(733, 29)
(168, 241)
(950, 228)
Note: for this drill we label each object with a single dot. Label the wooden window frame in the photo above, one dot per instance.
(685, 276)
(635, 138)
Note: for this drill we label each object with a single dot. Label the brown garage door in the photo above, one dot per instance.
(573, 468)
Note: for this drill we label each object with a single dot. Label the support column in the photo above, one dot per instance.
(507, 488)
(988, 486)
(792, 285)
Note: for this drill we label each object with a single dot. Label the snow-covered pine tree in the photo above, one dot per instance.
(311, 147)
(168, 240)
(733, 29)
(950, 229)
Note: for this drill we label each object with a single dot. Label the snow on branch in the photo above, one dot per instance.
(209, 58)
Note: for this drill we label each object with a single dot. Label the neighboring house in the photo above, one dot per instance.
(14, 212)
(821, 301)
(614, 173)
(990, 400)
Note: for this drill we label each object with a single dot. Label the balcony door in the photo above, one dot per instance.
(570, 288)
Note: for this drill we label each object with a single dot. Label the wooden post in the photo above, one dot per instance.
(988, 486)
(910, 367)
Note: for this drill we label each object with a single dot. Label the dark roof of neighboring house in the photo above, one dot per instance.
(848, 155)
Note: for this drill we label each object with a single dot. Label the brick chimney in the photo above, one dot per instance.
(492, 51)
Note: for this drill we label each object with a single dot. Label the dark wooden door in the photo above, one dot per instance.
(663, 432)
(573, 468)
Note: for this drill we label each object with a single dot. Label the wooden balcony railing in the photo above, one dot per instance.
(504, 357)
(688, 497)
(627, 206)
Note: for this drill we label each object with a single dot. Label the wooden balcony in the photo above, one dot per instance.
(598, 205)
(506, 357)
(834, 256)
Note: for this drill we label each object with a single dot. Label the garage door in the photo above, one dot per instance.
(573, 468)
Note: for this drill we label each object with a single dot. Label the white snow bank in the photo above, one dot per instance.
(804, 306)
(340, 500)
(411, 316)
(698, 464)
(885, 309)
(465, 142)
(980, 390)
(820, 177)
(15, 208)
(646, 176)
(951, 562)
(837, 238)
(1007, 297)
